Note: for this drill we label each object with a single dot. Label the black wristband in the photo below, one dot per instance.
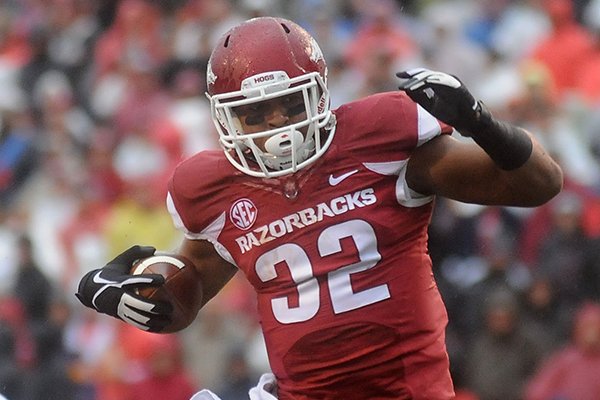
(509, 146)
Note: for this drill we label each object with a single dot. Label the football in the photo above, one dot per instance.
(182, 287)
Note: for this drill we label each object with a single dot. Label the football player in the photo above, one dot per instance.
(326, 212)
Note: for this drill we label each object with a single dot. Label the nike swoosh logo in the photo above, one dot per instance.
(333, 181)
(98, 279)
(112, 284)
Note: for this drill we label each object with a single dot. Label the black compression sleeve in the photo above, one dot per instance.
(509, 146)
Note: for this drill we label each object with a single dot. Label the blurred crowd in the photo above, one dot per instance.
(99, 100)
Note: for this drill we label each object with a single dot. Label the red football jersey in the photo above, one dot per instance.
(337, 254)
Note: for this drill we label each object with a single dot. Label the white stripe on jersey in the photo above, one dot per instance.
(427, 125)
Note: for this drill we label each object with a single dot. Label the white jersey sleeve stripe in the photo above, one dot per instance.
(428, 126)
(210, 233)
(404, 195)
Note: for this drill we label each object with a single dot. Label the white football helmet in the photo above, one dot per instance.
(260, 60)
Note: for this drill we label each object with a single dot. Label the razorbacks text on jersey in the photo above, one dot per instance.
(337, 254)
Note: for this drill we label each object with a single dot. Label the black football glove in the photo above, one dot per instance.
(111, 290)
(445, 97)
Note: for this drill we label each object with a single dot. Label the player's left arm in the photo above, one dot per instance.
(505, 165)
(214, 272)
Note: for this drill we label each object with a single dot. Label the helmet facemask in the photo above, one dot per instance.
(287, 148)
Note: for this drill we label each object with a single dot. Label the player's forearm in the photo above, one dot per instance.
(537, 181)
(214, 272)
(532, 175)
(509, 146)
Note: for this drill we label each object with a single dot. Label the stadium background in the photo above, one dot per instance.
(100, 99)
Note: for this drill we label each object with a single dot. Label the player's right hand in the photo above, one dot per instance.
(111, 290)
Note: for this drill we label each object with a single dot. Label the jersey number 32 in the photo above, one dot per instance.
(343, 297)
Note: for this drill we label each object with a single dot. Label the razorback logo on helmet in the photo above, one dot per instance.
(211, 78)
(316, 54)
(243, 214)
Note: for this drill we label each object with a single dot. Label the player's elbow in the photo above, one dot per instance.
(557, 180)
(546, 185)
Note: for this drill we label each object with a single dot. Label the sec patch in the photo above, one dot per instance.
(243, 214)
